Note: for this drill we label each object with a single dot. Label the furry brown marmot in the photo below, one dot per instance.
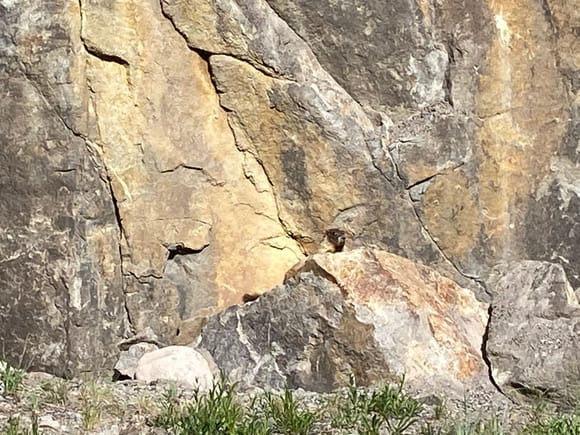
(337, 238)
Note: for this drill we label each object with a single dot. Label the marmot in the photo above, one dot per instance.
(337, 238)
(334, 242)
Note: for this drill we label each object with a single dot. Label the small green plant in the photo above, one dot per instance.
(215, 412)
(429, 429)
(16, 427)
(555, 425)
(397, 410)
(483, 427)
(254, 421)
(55, 392)
(170, 415)
(94, 399)
(371, 425)
(34, 425)
(287, 415)
(368, 413)
(145, 406)
(440, 412)
(352, 410)
(10, 378)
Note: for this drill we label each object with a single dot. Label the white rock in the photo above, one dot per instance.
(181, 364)
(129, 359)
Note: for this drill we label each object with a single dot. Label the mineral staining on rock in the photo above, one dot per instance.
(176, 173)
(365, 312)
(61, 298)
(520, 85)
(314, 141)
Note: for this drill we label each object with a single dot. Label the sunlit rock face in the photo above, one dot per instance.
(366, 313)
(162, 159)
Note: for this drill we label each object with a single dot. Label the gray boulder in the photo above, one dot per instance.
(534, 332)
(368, 313)
(129, 359)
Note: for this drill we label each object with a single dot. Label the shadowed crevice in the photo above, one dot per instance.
(484, 354)
(175, 249)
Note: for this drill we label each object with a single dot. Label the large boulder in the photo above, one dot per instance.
(128, 362)
(533, 341)
(365, 312)
(178, 364)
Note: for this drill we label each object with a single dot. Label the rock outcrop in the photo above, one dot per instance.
(367, 313)
(534, 332)
(161, 158)
(62, 306)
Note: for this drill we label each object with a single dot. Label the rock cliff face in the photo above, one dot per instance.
(534, 332)
(159, 159)
(366, 313)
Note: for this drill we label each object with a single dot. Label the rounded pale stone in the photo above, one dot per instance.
(180, 364)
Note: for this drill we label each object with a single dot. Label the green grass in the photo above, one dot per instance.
(565, 424)
(216, 412)
(55, 392)
(10, 378)
(388, 408)
(219, 412)
(16, 427)
(490, 426)
(222, 411)
(95, 398)
(286, 414)
(555, 425)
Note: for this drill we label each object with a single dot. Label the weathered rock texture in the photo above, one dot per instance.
(197, 231)
(129, 360)
(368, 313)
(481, 130)
(62, 305)
(160, 158)
(534, 332)
(180, 364)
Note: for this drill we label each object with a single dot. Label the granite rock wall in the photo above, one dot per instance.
(159, 159)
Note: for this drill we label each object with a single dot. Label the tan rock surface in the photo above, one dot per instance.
(314, 141)
(522, 114)
(162, 158)
(521, 85)
(365, 312)
(439, 325)
(175, 171)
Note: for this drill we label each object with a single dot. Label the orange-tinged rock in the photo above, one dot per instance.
(177, 176)
(425, 323)
(365, 313)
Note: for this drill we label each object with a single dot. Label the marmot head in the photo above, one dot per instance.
(337, 238)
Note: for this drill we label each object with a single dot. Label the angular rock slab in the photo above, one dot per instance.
(180, 364)
(365, 312)
(129, 359)
(534, 332)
